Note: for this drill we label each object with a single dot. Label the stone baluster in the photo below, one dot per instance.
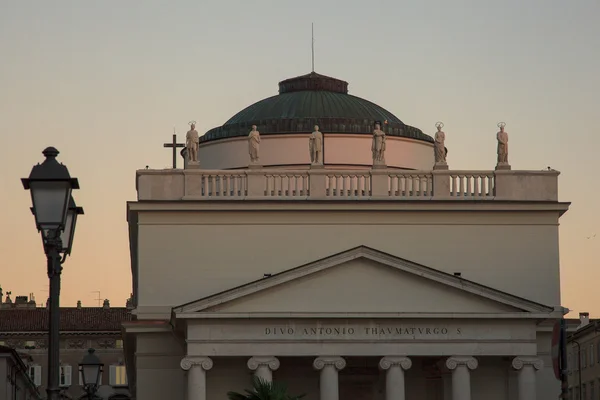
(394, 377)
(196, 368)
(329, 367)
(461, 376)
(527, 366)
(263, 367)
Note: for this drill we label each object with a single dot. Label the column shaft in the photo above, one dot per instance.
(526, 377)
(329, 385)
(394, 378)
(461, 383)
(196, 368)
(263, 367)
(196, 383)
(461, 376)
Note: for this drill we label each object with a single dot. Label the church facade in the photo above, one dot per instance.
(363, 269)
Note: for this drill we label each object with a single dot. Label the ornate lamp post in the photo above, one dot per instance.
(91, 368)
(55, 217)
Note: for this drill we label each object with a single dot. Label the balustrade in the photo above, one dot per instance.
(324, 184)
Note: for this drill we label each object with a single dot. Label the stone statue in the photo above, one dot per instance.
(502, 137)
(253, 144)
(439, 148)
(315, 146)
(192, 141)
(378, 145)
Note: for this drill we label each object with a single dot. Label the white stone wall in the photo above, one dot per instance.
(200, 253)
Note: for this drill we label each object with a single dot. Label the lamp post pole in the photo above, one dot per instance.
(54, 269)
(55, 215)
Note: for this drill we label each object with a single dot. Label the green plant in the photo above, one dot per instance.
(264, 390)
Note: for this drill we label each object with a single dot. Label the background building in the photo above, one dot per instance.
(15, 382)
(583, 359)
(24, 328)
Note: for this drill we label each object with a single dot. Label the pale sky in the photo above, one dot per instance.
(105, 82)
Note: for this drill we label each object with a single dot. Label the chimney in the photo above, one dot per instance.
(31, 302)
(79, 304)
(106, 304)
(584, 319)
(48, 303)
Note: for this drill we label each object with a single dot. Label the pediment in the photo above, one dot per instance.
(363, 280)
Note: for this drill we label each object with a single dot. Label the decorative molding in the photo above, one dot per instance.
(338, 362)
(388, 362)
(188, 362)
(271, 362)
(76, 344)
(453, 362)
(106, 343)
(519, 362)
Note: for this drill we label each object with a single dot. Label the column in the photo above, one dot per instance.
(527, 366)
(461, 376)
(394, 377)
(263, 367)
(196, 368)
(329, 367)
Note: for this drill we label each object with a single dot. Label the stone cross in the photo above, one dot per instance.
(174, 145)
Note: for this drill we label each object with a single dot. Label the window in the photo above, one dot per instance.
(30, 344)
(65, 376)
(598, 352)
(35, 373)
(582, 354)
(118, 375)
(119, 344)
(583, 392)
(591, 355)
(591, 385)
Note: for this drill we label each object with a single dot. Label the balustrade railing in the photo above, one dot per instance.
(471, 184)
(410, 185)
(286, 184)
(223, 184)
(325, 184)
(348, 184)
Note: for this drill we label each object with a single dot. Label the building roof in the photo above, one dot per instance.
(309, 100)
(72, 319)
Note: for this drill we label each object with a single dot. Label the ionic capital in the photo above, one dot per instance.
(191, 361)
(338, 362)
(389, 362)
(453, 362)
(271, 362)
(519, 362)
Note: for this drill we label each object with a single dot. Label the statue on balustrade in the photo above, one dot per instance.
(378, 145)
(315, 146)
(502, 137)
(439, 147)
(253, 144)
(192, 141)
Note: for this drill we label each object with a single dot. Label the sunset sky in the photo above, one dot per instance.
(106, 82)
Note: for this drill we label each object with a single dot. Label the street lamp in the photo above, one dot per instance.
(90, 369)
(55, 217)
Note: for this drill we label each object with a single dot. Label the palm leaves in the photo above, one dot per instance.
(264, 390)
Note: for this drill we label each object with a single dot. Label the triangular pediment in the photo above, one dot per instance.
(363, 280)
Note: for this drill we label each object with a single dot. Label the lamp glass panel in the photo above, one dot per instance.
(91, 374)
(50, 203)
(66, 236)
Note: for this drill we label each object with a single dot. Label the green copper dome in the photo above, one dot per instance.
(310, 100)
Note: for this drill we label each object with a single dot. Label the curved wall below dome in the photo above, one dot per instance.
(292, 150)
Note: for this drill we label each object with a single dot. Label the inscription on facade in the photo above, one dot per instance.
(368, 331)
